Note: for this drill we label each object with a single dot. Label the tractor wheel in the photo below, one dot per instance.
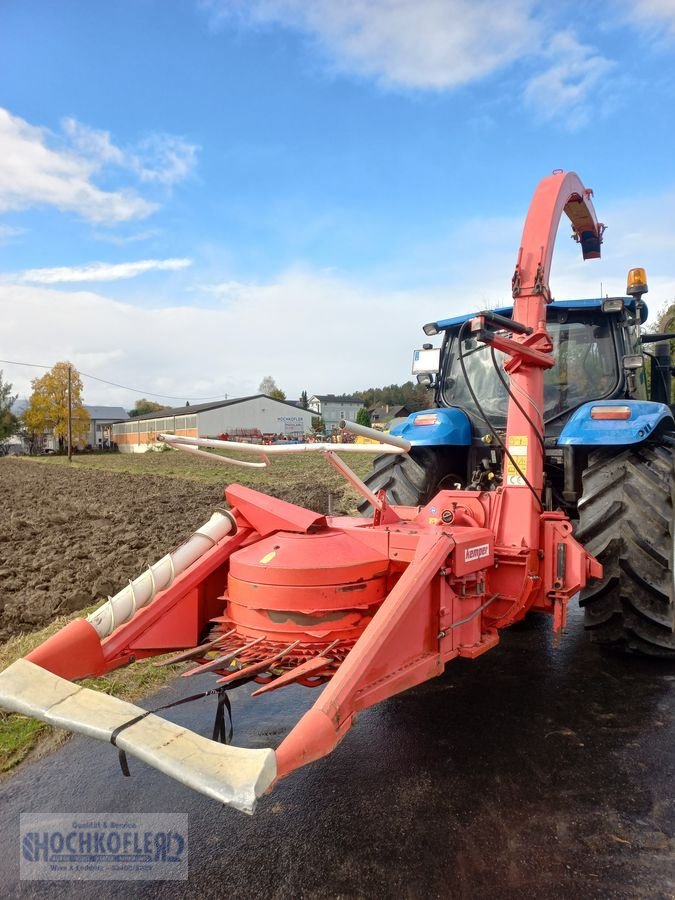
(626, 521)
(409, 480)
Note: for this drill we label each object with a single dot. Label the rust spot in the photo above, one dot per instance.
(286, 615)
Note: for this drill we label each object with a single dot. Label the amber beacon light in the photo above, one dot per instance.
(637, 282)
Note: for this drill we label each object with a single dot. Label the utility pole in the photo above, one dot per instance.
(70, 416)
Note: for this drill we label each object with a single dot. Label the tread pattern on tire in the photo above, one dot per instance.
(409, 479)
(626, 521)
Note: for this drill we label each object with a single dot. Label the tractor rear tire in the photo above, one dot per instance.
(626, 521)
(409, 479)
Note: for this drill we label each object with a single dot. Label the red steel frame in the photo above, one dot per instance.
(452, 574)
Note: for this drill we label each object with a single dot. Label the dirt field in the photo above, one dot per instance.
(69, 536)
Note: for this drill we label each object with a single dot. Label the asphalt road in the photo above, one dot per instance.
(531, 772)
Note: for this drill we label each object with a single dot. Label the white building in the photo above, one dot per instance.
(244, 418)
(101, 419)
(333, 409)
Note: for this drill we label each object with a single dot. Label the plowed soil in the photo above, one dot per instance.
(70, 537)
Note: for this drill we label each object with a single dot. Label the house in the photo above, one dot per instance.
(243, 418)
(333, 408)
(101, 420)
(382, 415)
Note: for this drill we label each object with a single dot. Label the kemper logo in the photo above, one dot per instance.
(471, 554)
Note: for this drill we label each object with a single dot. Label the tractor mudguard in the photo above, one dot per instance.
(639, 420)
(436, 428)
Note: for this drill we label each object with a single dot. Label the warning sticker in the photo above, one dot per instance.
(517, 446)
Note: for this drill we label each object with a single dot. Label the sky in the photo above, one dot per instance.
(195, 194)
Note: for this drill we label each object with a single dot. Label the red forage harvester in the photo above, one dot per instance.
(271, 594)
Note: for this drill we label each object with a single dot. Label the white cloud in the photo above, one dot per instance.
(121, 240)
(91, 143)
(435, 44)
(32, 173)
(162, 158)
(311, 329)
(659, 13)
(40, 168)
(7, 232)
(566, 88)
(100, 271)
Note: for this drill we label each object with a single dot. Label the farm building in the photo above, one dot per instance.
(244, 418)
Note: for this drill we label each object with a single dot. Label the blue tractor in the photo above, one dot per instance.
(608, 440)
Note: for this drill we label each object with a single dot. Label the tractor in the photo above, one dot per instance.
(605, 431)
(542, 473)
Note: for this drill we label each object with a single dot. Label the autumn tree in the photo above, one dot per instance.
(8, 421)
(143, 406)
(48, 405)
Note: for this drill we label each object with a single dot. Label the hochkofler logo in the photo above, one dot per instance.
(104, 846)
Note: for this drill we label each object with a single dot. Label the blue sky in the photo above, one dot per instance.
(198, 193)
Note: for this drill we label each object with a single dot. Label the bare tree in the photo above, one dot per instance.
(267, 385)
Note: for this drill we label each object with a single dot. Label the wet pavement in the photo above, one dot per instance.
(531, 772)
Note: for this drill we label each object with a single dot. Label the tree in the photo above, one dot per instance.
(664, 323)
(414, 396)
(318, 424)
(48, 405)
(9, 423)
(143, 406)
(304, 400)
(277, 394)
(363, 417)
(267, 385)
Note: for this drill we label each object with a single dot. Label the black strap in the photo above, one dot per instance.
(220, 733)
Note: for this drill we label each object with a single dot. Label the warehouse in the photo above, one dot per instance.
(245, 418)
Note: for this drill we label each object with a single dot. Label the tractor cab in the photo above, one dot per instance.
(597, 393)
(596, 347)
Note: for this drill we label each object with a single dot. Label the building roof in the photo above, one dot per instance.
(393, 411)
(114, 413)
(204, 407)
(336, 398)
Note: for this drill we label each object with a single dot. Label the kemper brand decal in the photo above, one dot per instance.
(518, 461)
(471, 554)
